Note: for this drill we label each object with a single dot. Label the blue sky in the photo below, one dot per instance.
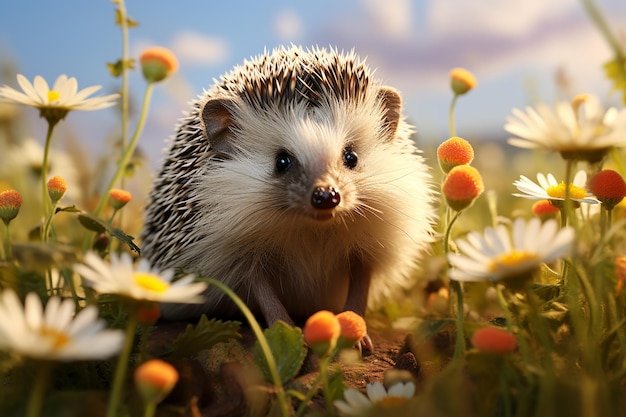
(514, 48)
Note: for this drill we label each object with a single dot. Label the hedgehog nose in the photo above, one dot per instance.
(325, 198)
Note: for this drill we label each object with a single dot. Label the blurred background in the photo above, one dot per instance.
(521, 52)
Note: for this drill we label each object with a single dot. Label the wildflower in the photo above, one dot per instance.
(580, 130)
(462, 186)
(10, 203)
(157, 63)
(142, 283)
(321, 332)
(544, 209)
(54, 103)
(494, 257)
(155, 379)
(461, 81)
(56, 188)
(454, 151)
(549, 189)
(119, 198)
(608, 187)
(494, 340)
(353, 327)
(54, 333)
(356, 403)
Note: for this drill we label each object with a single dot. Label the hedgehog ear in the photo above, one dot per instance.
(391, 105)
(218, 120)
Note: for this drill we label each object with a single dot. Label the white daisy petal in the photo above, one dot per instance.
(141, 282)
(70, 98)
(562, 129)
(533, 243)
(52, 332)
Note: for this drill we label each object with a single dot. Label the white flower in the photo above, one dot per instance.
(578, 130)
(358, 404)
(54, 333)
(63, 95)
(549, 189)
(142, 283)
(492, 256)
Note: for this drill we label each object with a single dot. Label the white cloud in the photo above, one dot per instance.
(391, 19)
(288, 25)
(199, 49)
(508, 18)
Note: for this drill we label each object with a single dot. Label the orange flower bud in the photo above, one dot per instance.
(158, 63)
(461, 81)
(119, 198)
(462, 186)
(155, 379)
(494, 340)
(454, 151)
(544, 209)
(321, 332)
(56, 188)
(10, 203)
(353, 327)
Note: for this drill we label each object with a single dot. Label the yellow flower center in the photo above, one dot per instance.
(390, 402)
(59, 339)
(511, 259)
(150, 282)
(558, 191)
(53, 96)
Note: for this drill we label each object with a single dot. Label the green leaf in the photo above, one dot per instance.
(287, 346)
(94, 224)
(615, 71)
(91, 223)
(204, 335)
(116, 68)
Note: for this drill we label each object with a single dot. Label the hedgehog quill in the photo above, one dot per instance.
(294, 181)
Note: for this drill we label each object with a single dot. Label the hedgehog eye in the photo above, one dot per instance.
(350, 158)
(283, 162)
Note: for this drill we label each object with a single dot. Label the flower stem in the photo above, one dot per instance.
(265, 348)
(38, 393)
(126, 156)
(150, 409)
(599, 21)
(455, 286)
(8, 252)
(451, 122)
(44, 168)
(122, 365)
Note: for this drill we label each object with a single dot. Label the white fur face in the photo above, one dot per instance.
(272, 207)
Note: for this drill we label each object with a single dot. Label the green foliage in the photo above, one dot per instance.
(287, 346)
(117, 68)
(94, 224)
(206, 334)
(615, 71)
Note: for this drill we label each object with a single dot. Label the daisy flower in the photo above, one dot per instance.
(54, 333)
(358, 404)
(581, 129)
(549, 189)
(494, 257)
(142, 283)
(57, 101)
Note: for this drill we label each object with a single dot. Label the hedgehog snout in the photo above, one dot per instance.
(325, 198)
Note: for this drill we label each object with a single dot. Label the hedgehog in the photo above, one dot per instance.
(293, 180)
